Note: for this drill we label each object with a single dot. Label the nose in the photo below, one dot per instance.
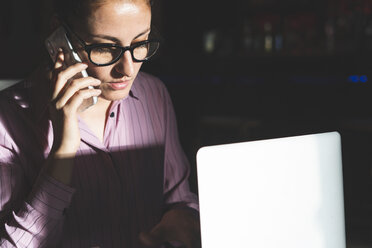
(125, 65)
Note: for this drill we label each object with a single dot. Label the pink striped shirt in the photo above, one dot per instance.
(119, 187)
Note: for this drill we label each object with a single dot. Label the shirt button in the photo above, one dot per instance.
(112, 114)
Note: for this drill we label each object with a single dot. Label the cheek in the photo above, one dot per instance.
(97, 72)
(93, 70)
(84, 56)
(137, 67)
(105, 73)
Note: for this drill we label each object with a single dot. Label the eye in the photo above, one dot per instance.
(143, 45)
(104, 54)
(104, 49)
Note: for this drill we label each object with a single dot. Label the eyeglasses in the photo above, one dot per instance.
(104, 54)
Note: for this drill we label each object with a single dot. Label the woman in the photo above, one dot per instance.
(111, 175)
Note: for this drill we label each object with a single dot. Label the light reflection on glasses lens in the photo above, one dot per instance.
(106, 54)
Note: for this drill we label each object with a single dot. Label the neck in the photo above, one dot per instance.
(101, 108)
(96, 117)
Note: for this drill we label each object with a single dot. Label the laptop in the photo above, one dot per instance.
(275, 193)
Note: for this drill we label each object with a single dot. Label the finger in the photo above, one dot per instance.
(58, 66)
(75, 86)
(73, 104)
(63, 77)
(59, 60)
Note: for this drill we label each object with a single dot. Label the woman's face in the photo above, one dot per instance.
(122, 23)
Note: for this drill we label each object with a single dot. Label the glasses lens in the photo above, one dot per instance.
(104, 54)
(145, 50)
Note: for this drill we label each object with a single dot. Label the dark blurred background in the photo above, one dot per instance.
(243, 70)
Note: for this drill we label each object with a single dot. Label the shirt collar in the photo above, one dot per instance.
(133, 91)
(133, 94)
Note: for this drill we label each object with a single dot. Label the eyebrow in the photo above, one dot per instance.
(116, 40)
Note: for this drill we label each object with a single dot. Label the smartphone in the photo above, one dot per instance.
(58, 39)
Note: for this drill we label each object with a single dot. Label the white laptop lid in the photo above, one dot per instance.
(282, 193)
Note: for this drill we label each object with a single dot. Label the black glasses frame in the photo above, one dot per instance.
(89, 48)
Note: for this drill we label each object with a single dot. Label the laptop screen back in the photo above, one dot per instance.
(282, 193)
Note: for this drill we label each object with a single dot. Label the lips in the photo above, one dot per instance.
(119, 85)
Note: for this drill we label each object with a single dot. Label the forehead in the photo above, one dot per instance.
(119, 18)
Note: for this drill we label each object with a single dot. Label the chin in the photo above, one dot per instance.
(114, 95)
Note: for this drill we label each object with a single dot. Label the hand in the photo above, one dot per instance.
(68, 94)
(178, 224)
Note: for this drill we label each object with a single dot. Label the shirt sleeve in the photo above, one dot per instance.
(177, 167)
(30, 215)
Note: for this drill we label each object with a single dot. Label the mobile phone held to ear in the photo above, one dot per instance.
(58, 39)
